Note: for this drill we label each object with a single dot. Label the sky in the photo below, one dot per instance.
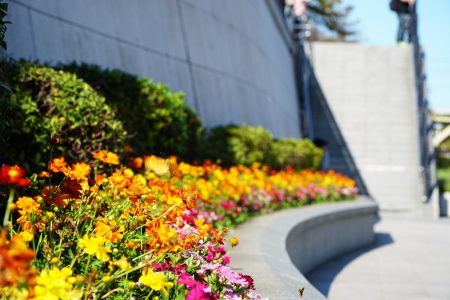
(377, 25)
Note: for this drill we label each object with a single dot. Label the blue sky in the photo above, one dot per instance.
(377, 25)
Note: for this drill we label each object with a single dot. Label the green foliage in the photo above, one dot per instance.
(3, 12)
(157, 119)
(52, 113)
(330, 18)
(299, 154)
(232, 144)
(443, 173)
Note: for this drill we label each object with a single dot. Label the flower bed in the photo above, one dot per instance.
(152, 229)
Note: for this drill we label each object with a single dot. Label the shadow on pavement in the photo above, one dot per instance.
(322, 277)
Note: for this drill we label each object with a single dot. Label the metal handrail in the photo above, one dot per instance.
(426, 150)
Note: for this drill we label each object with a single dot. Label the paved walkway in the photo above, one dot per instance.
(411, 260)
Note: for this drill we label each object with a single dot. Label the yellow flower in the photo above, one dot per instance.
(156, 281)
(234, 241)
(55, 284)
(95, 246)
(123, 264)
(157, 165)
(26, 236)
(80, 171)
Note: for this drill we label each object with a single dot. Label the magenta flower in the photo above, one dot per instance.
(227, 205)
(198, 293)
(187, 280)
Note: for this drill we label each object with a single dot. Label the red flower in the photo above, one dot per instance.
(249, 280)
(13, 175)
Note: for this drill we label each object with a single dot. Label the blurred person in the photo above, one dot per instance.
(403, 8)
(323, 144)
(294, 12)
(298, 7)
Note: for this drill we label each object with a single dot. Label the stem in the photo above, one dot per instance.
(8, 206)
(159, 217)
(120, 274)
(111, 292)
(74, 259)
(87, 265)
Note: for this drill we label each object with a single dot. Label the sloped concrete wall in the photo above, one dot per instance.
(371, 94)
(278, 249)
(231, 58)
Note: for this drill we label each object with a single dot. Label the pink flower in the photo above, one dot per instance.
(205, 267)
(227, 205)
(226, 260)
(231, 277)
(187, 280)
(198, 293)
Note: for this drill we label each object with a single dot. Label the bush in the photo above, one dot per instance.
(443, 173)
(300, 154)
(157, 119)
(232, 144)
(49, 105)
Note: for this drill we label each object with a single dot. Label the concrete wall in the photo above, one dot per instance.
(370, 93)
(232, 58)
(278, 249)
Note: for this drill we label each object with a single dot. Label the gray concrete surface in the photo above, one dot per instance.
(232, 58)
(410, 260)
(274, 248)
(370, 93)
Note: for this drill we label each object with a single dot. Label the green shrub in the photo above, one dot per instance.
(157, 119)
(232, 144)
(300, 154)
(443, 173)
(46, 104)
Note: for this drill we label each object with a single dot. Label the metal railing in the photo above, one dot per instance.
(427, 153)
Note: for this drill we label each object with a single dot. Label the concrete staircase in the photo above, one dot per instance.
(364, 105)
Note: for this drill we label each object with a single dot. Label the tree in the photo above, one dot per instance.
(3, 11)
(330, 20)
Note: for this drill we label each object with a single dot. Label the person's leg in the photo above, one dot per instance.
(407, 19)
(401, 29)
(404, 21)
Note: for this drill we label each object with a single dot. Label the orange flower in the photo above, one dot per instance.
(202, 228)
(106, 157)
(80, 171)
(136, 190)
(163, 238)
(28, 205)
(58, 165)
(44, 174)
(13, 175)
(127, 148)
(119, 180)
(189, 199)
(109, 230)
(136, 163)
(15, 260)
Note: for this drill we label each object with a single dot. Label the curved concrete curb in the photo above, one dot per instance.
(276, 249)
